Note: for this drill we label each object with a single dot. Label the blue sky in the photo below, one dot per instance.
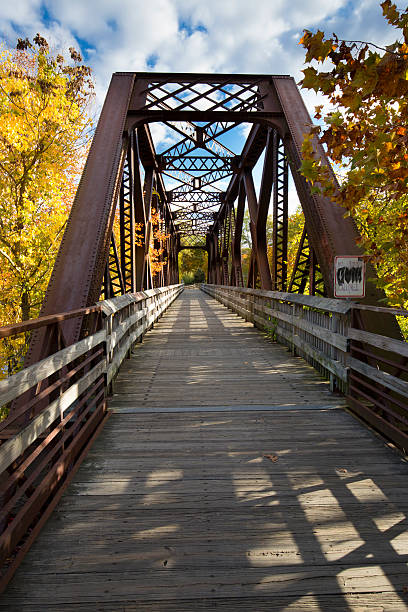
(258, 36)
(220, 36)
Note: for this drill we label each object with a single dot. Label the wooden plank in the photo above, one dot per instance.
(120, 355)
(388, 344)
(151, 313)
(333, 338)
(380, 377)
(383, 309)
(15, 385)
(115, 304)
(335, 602)
(186, 510)
(13, 448)
(326, 304)
(334, 366)
(294, 581)
(114, 338)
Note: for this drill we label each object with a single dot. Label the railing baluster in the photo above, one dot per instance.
(42, 441)
(321, 330)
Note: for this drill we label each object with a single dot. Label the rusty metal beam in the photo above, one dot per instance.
(113, 281)
(329, 232)
(127, 221)
(134, 101)
(236, 270)
(79, 268)
(259, 249)
(196, 163)
(280, 215)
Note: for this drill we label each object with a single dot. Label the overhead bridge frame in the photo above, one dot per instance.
(57, 402)
(124, 179)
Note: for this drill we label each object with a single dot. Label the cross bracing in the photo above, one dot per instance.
(137, 206)
(191, 186)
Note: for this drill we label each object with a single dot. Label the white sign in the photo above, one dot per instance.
(349, 276)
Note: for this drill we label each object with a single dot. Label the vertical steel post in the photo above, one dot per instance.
(236, 271)
(280, 215)
(127, 221)
(225, 244)
(147, 282)
(139, 214)
(258, 235)
(300, 273)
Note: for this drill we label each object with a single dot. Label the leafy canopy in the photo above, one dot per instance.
(44, 130)
(366, 136)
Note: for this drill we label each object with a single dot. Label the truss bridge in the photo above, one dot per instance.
(239, 444)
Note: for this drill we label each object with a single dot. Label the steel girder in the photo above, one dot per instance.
(204, 107)
(204, 137)
(196, 197)
(113, 284)
(280, 214)
(196, 163)
(127, 221)
(306, 270)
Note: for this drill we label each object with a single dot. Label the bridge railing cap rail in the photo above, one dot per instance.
(17, 328)
(400, 312)
(113, 305)
(107, 307)
(313, 301)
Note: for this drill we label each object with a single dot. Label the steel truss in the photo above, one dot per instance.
(197, 163)
(127, 223)
(113, 280)
(280, 215)
(110, 236)
(204, 137)
(195, 196)
(306, 270)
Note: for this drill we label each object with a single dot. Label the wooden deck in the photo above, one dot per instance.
(228, 477)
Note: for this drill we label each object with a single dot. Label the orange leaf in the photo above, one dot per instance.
(272, 458)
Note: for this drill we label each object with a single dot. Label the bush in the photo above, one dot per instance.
(199, 276)
(188, 278)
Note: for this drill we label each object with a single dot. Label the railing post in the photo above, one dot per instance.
(108, 327)
(349, 321)
(129, 310)
(293, 349)
(333, 352)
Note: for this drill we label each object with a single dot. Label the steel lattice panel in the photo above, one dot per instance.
(195, 95)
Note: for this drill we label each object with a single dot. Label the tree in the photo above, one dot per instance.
(157, 244)
(367, 139)
(44, 130)
(246, 243)
(296, 223)
(193, 265)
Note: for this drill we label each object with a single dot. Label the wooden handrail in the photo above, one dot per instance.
(399, 312)
(62, 407)
(18, 328)
(320, 331)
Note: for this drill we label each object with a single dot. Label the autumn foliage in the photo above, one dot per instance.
(157, 240)
(158, 243)
(366, 136)
(44, 130)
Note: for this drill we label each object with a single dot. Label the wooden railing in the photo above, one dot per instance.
(371, 370)
(58, 406)
(378, 377)
(312, 327)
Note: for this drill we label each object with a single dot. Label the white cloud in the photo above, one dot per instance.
(190, 35)
(163, 135)
(215, 36)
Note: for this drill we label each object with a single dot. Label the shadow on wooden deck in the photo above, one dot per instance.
(229, 478)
